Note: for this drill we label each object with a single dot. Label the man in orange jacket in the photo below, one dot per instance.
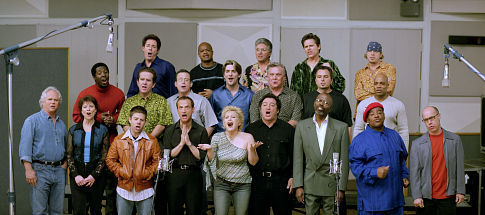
(133, 159)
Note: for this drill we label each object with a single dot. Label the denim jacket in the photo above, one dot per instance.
(99, 145)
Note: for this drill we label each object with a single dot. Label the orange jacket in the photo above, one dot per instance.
(133, 172)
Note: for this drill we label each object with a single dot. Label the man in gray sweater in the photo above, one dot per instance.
(436, 168)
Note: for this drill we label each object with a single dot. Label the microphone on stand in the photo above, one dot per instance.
(166, 164)
(109, 45)
(335, 164)
(446, 79)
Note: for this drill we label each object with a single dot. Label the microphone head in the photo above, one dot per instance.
(166, 153)
(109, 45)
(446, 79)
(445, 83)
(335, 156)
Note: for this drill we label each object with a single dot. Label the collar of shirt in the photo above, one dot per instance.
(381, 64)
(47, 116)
(260, 124)
(241, 88)
(324, 123)
(321, 132)
(375, 132)
(79, 126)
(127, 134)
(155, 62)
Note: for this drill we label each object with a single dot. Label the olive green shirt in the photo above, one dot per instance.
(158, 112)
(303, 79)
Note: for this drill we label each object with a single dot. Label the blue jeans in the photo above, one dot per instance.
(125, 207)
(47, 196)
(222, 197)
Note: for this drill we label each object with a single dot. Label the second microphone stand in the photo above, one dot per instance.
(336, 169)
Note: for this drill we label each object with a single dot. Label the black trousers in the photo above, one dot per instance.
(438, 207)
(160, 201)
(84, 199)
(184, 187)
(270, 192)
(110, 189)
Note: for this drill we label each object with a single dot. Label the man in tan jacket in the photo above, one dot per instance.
(133, 159)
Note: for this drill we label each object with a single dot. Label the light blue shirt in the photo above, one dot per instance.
(203, 113)
(222, 97)
(87, 144)
(40, 139)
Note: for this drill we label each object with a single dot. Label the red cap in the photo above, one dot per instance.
(370, 107)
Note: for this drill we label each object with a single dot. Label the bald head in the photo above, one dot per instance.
(205, 53)
(381, 77)
(380, 85)
(432, 120)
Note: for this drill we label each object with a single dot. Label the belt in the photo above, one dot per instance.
(50, 163)
(267, 174)
(187, 167)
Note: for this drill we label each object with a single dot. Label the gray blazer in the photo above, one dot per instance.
(310, 168)
(420, 165)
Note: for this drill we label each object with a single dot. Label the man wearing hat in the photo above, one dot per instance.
(377, 159)
(364, 78)
(396, 118)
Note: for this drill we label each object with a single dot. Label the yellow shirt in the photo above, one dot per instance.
(364, 80)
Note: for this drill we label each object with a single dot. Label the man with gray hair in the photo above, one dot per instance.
(42, 150)
(291, 105)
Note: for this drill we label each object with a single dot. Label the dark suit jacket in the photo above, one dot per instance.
(312, 169)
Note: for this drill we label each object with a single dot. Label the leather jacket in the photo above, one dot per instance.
(129, 170)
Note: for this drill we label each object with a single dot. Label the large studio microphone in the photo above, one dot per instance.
(335, 164)
(165, 161)
(446, 78)
(109, 45)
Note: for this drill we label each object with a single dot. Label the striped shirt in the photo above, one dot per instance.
(230, 161)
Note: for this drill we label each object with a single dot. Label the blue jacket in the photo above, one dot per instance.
(370, 150)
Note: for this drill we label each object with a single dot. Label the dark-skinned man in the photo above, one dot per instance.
(378, 160)
(316, 139)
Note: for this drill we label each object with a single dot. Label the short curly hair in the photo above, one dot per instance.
(238, 111)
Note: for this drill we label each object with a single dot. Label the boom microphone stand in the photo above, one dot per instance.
(11, 58)
(449, 50)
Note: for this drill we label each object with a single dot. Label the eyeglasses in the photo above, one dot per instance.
(430, 118)
(322, 100)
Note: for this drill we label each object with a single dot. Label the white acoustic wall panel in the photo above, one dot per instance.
(234, 41)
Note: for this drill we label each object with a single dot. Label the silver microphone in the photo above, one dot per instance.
(446, 79)
(335, 164)
(166, 160)
(109, 45)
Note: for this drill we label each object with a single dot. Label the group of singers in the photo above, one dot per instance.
(253, 138)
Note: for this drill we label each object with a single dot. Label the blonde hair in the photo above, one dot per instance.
(238, 111)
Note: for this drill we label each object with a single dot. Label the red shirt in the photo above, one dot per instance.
(109, 99)
(439, 172)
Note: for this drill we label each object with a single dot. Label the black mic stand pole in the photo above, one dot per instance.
(11, 58)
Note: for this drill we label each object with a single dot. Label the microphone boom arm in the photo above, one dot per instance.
(460, 57)
(11, 58)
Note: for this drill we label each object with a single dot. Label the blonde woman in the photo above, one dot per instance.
(229, 154)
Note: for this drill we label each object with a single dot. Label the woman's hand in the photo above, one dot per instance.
(204, 147)
(79, 180)
(89, 181)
